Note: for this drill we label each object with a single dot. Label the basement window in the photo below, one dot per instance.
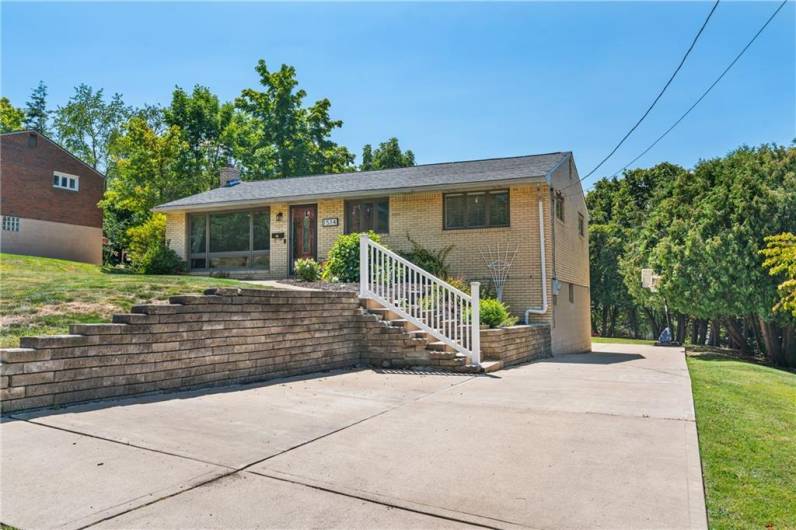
(10, 223)
(65, 181)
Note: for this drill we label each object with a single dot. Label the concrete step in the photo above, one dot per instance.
(491, 366)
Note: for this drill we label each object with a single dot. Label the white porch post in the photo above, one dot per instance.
(364, 273)
(475, 294)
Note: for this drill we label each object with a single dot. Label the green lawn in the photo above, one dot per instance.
(620, 340)
(42, 296)
(746, 418)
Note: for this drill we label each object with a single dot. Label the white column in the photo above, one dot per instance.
(475, 293)
(363, 265)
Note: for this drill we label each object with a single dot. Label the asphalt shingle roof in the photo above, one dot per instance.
(430, 175)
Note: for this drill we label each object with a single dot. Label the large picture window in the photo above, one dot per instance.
(367, 214)
(230, 240)
(476, 209)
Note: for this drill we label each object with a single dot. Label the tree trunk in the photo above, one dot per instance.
(612, 328)
(736, 335)
(789, 345)
(715, 332)
(604, 323)
(682, 322)
(634, 323)
(695, 331)
(771, 341)
(703, 332)
(654, 325)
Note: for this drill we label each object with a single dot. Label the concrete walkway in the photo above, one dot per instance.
(600, 440)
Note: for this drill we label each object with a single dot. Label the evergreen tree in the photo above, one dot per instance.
(36, 113)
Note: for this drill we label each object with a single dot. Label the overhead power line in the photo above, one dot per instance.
(658, 97)
(706, 92)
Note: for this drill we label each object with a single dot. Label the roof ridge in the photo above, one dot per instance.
(408, 167)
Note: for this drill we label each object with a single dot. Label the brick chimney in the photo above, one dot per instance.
(228, 173)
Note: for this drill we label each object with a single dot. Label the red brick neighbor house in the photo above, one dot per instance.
(48, 200)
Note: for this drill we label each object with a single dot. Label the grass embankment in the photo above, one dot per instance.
(620, 340)
(42, 296)
(746, 418)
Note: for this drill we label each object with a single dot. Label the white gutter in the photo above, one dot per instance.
(540, 310)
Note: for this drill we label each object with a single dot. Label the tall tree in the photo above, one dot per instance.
(203, 122)
(11, 117)
(148, 169)
(36, 114)
(277, 136)
(705, 238)
(87, 124)
(388, 155)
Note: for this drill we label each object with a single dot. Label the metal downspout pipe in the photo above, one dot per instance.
(540, 310)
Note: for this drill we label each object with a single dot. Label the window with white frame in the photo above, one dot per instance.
(10, 223)
(65, 181)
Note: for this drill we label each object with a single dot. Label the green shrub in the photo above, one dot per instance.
(159, 259)
(432, 261)
(342, 264)
(149, 251)
(146, 236)
(495, 313)
(460, 284)
(307, 270)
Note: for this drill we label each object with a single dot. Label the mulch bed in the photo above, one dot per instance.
(324, 286)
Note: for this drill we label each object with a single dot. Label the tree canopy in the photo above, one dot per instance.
(388, 155)
(11, 117)
(275, 135)
(87, 124)
(704, 231)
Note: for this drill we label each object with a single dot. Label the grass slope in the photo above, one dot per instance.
(746, 417)
(42, 296)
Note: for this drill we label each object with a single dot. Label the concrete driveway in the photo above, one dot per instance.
(600, 440)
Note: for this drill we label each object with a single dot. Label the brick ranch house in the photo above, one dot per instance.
(48, 200)
(257, 229)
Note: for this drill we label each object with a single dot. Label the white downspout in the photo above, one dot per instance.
(540, 310)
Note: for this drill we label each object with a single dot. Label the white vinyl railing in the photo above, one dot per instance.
(431, 304)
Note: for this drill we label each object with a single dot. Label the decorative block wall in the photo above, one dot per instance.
(227, 335)
(516, 344)
(224, 336)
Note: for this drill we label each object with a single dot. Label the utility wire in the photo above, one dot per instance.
(658, 97)
(681, 118)
(705, 93)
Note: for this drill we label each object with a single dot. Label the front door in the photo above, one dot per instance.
(303, 232)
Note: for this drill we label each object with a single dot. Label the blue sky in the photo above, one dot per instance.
(453, 81)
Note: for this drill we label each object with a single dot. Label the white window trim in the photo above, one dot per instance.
(61, 176)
